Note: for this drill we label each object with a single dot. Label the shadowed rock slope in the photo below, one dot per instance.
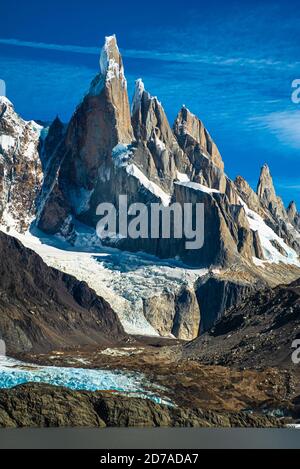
(258, 332)
(42, 308)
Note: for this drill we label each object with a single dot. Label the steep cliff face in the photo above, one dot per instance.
(104, 154)
(107, 152)
(276, 213)
(192, 135)
(267, 195)
(100, 123)
(20, 167)
(216, 294)
(270, 207)
(155, 138)
(176, 314)
(293, 215)
(249, 196)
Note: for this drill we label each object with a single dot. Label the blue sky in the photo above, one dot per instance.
(231, 63)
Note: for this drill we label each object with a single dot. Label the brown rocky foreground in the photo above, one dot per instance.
(232, 393)
(41, 405)
(238, 374)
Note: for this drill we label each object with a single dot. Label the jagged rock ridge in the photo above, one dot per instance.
(106, 152)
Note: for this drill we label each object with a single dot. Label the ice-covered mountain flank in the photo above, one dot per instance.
(52, 180)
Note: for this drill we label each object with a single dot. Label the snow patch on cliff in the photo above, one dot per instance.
(7, 142)
(267, 236)
(121, 154)
(134, 171)
(182, 177)
(138, 93)
(197, 187)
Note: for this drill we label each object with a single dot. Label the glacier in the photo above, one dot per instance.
(122, 278)
(14, 372)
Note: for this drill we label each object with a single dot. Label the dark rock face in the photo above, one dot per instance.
(257, 249)
(216, 294)
(259, 331)
(187, 315)
(42, 308)
(54, 137)
(41, 405)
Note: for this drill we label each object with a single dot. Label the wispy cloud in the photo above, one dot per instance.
(285, 125)
(157, 55)
(288, 185)
(48, 46)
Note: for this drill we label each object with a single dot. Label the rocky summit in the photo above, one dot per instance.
(105, 152)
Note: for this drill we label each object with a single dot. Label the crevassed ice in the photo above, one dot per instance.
(14, 372)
